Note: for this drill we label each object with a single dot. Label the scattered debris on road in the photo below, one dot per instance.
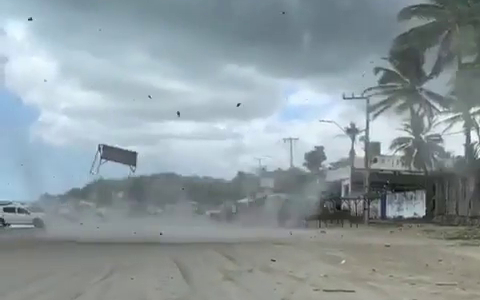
(338, 291)
(446, 283)
(273, 260)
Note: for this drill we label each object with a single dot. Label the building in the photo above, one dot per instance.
(389, 176)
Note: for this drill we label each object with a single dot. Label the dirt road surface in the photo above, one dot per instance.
(363, 263)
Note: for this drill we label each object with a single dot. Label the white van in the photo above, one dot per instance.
(12, 213)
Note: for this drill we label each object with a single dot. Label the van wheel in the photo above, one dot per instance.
(38, 223)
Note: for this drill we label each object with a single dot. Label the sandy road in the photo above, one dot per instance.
(298, 266)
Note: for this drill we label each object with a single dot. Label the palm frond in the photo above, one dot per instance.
(400, 143)
(445, 56)
(380, 107)
(389, 76)
(422, 12)
(381, 89)
(422, 37)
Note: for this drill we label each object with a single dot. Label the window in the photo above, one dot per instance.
(22, 211)
(9, 210)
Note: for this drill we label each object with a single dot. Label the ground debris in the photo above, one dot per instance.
(446, 283)
(273, 260)
(338, 291)
(387, 245)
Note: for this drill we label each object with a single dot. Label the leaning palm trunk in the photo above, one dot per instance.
(468, 144)
(429, 202)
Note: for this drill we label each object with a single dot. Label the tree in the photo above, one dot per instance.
(453, 25)
(314, 159)
(352, 131)
(463, 112)
(401, 86)
(420, 148)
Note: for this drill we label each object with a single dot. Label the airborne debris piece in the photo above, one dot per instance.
(161, 233)
(283, 12)
(149, 97)
(343, 261)
(238, 104)
(114, 154)
(44, 80)
(30, 19)
(178, 113)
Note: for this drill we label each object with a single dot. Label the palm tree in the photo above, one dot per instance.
(352, 131)
(420, 148)
(401, 86)
(453, 25)
(464, 113)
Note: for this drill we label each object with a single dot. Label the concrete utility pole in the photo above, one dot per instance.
(259, 159)
(367, 150)
(291, 141)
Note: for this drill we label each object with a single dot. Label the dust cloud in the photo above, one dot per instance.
(166, 228)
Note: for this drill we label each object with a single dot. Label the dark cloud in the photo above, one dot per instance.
(314, 38)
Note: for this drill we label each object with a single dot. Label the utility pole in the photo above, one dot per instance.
(291, 141)
(366, 206)
(259, 159)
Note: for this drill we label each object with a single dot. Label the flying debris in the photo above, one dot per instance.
(178, 113)
(114, 154)
(149, 97)
(283, 12)
(238, 104)
(30, 19)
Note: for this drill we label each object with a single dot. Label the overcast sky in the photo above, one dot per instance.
(81, 73)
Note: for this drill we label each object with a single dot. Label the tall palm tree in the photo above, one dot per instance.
(420, 149)
(352, 131)
(401, 86)
(453, 25)
(463, 112)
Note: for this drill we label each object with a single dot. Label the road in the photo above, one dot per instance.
(363, 263)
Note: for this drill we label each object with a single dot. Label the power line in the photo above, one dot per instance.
(291, 141)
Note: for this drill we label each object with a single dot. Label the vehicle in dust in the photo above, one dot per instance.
(12, 213)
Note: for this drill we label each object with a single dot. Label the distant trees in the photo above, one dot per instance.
(314, 159)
